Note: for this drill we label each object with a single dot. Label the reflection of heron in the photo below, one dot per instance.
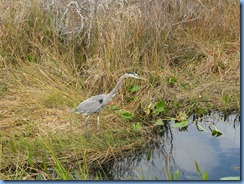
(96, 103)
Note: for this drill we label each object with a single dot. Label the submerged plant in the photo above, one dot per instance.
(215, 132)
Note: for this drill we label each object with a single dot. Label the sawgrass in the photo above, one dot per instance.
(189, 52)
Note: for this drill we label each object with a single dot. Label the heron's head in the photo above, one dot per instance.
(133, 75)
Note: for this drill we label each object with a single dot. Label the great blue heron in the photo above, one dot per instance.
(96, 103)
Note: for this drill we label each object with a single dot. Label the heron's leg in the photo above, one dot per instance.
(98, 123)
(86, 121)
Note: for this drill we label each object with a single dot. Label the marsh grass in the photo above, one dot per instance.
(51, 60)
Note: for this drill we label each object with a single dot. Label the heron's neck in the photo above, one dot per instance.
(116, 88)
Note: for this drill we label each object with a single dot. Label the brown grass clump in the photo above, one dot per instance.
(54, 54)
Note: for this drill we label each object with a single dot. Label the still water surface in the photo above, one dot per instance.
(177, 149)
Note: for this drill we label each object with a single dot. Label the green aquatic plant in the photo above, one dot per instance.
(155, 109)
(215, 132)
(181, 120)
(159, 108)
(204, 175)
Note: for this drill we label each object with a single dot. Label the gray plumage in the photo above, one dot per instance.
(96, 103)
(92, 105)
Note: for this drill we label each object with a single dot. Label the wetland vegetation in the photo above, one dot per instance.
(55, 54)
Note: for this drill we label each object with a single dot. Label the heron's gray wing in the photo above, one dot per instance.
(91, 105)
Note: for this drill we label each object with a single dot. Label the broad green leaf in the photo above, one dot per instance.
(219, 133)
(159, 122)
(134, 88)
(214, 132)
(181, 124)
(159, 107)
(126, 115)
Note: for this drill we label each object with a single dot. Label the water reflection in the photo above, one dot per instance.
(176, 150)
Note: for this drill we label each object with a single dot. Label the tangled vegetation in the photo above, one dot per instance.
(55, 54)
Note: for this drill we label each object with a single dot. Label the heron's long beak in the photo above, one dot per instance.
(142, 78)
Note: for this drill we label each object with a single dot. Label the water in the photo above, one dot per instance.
(177, 149)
